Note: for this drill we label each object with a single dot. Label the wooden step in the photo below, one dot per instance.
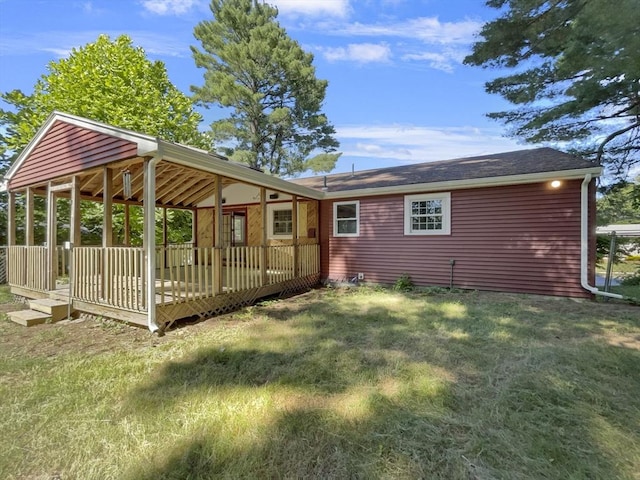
(29, 318)
(57, 310)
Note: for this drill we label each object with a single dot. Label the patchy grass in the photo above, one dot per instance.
(332, 384)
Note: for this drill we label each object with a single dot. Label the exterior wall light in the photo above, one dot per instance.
(556, 184)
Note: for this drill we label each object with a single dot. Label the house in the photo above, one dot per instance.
(520, 221)
(517, 222)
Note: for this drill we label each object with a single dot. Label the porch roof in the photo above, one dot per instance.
(68, 145)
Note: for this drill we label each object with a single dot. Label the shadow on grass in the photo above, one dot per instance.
(444, 387)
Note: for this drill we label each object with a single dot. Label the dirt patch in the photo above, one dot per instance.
(624, 341)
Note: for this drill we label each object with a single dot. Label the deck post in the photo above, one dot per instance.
(51, 238)
(74, 231)
(107, 202)
(11, 219)
(264, 245)
(127, 226)
(217, 222)
(294, 235)
(149, 240)
(29, 219)
(107, 230)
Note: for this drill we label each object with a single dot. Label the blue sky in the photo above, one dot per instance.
(398, 91)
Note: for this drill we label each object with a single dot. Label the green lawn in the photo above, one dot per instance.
(332, 384)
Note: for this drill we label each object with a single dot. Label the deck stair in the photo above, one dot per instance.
(41, 311)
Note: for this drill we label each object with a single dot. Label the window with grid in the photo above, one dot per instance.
(427, 214)
(346, 219)
(282, 222)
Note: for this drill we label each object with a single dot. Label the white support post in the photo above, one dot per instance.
(149, 240)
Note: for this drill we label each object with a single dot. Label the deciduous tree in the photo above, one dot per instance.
(267, 82)
(108, 81)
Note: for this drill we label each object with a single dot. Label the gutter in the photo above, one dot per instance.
(584, 241)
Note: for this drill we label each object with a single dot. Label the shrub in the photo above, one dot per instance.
(404, 283)
(633, 280)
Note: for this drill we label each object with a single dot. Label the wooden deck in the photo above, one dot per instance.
(188, 282)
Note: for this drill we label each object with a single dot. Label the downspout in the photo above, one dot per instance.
(149, 240)
(584, 241)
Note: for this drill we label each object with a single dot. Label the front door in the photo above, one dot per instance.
(234, 229)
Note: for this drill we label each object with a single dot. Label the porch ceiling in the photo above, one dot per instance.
(176, 185)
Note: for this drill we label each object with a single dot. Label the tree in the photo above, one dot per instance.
(111, 82)
(574, 74)
(619, 203)
(253, 68)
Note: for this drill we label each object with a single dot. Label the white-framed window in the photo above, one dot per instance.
(280, 221)
(428, 214)
(346, 219)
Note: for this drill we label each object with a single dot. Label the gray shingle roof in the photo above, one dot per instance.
(520, 162)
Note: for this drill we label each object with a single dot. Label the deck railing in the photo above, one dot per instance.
(3, 265)
(27, 267)
(242, 269)
(113, 276)
(116, 276)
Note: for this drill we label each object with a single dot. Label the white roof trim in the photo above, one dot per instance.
(145, 143)
(461, 184)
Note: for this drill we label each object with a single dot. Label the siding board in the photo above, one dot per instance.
(67, 149)
(523, 238)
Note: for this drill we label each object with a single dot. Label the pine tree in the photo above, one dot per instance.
(575, 74)
(267, 81)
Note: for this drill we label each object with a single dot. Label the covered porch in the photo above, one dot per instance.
(251, 235)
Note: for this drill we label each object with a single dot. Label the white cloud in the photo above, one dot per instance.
(334, 8)
(414, 143)
(427, 29)
(444, 60)
(168, 7)
(358, 52)
(60, 43)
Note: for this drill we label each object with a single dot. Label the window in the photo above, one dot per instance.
(427, 214)
(283, 222)
(346, 219)
(280, 221)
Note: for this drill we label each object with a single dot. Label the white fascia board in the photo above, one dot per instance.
(218, 165)
(145, 143)
(464, 184)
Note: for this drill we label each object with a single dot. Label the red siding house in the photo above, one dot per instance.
(517, 222)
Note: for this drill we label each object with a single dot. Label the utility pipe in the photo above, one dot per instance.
(584, 241)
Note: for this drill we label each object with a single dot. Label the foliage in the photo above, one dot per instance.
(253, 68)
(111, 82)
(619, 203)
(404, 283)
(633, 280)
(574, 73)
(108, 81)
